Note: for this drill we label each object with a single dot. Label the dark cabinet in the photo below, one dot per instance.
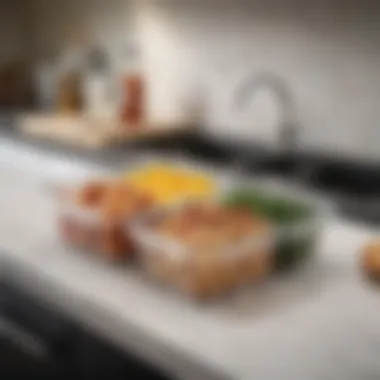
(39, 343)
(99, 360)
(35, 342)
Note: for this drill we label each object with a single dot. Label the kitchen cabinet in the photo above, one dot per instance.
(38, 342)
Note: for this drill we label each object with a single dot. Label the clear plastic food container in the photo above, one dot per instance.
(91, 230)
(200, 273)
(98, 225)
(84, 229)
(297, 243)
(296, 237)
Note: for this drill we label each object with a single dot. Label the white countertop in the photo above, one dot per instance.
(321, 323)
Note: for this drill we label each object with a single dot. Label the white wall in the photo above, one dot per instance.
(328, 51)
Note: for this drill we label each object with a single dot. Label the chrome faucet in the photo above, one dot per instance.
(250, 85)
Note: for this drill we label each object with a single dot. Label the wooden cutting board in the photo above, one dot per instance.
(89, 133)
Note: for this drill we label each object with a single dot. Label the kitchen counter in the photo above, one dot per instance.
(319, 323)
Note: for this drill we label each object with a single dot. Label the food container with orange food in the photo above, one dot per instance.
(170, 183)
(204, 249)
(92, 217)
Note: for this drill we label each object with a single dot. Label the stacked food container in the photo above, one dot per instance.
(187, 231)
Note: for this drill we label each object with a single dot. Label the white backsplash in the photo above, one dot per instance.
(328, 52)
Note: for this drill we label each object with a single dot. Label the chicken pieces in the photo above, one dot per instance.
(97, 220)
(217, 255)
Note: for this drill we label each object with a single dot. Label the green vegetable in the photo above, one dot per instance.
(279, 210)
(293, 251)
(283, 212)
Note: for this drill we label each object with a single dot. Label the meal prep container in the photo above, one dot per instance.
(175, 180)
(296, 243)
(196, 272)
(295, 239)
(85, 229)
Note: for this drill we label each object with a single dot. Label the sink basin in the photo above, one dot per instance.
(347, 179)
(354, 188)
(285, 165)
(191, 146)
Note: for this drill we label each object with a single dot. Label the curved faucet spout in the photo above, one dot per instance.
(253, 83)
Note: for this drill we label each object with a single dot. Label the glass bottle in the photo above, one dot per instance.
(132, 96)
(97, 85)
(70, 75)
